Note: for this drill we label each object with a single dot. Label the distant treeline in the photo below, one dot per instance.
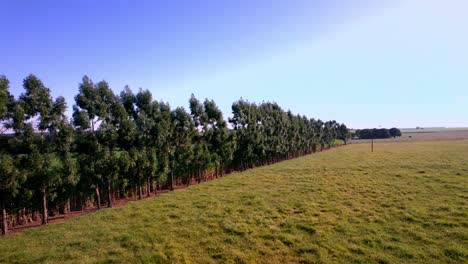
(128, 144)
(377, 133)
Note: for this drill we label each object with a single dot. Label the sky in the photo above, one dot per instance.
(365, 63)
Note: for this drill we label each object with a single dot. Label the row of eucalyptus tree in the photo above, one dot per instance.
(124, 144)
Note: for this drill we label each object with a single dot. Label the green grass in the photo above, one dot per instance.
(433, 130)
(405, 203)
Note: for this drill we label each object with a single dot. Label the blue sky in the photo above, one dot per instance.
(366, 63)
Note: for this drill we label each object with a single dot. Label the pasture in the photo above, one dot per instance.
(422, 136)
(435, 130)
(405, 203)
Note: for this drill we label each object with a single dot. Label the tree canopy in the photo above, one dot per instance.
(130, 144)
(377, 133)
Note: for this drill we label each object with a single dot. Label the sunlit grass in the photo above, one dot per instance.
(432, 130)
(405, 203)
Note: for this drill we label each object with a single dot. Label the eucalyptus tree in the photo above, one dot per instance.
(10, 181)
(293, 134)
(47, 136)
(141, 111)
(283, 124)
(163, 131)
(220, 141)
(130, 133)
(329, 132)
(146, 136)
(6, 102)
(319, 132)
(143, 164)
(98, 117)
(112, 113)
(62, 137)
(182, 153)
(10, 177)
(86, 117)
(240, 122)
(308, 135)
(313, 134)
(201, 153)
(271, 121)
(258, 136)
(343, 133)
(249, 133)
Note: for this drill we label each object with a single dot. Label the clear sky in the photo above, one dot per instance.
(366, 63)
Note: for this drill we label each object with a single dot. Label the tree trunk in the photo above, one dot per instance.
(139, 190)
(148, 189)
(98, 197)
(171, 187)
(4, 220)
(109, 194)
(44, 206)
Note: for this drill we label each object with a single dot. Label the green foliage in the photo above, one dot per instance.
(6, 100)
(266, 132)
(395, 132)
(10, 177)
(374, 133)
(181, 154)
(45, 137)
(122, 143)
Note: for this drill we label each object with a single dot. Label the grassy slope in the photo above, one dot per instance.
(407, 202)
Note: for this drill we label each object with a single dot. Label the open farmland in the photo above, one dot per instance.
(432, 130)
(406, 202)
(423, 136)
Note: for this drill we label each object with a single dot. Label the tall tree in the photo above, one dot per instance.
(10, 177)
(44, 128)
(395, 132)
(201, 153)
(182, 152)
(163, 130)
(343, 133)
(220, 143)
(141, 112)
(98, 118)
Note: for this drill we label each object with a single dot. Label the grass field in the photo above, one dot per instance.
(433, 130)
(422, 136)
(405, 203)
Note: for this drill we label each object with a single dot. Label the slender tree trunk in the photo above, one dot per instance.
(68, 205)
(148, 189)
(172, 181)
(139, 190)
(98, 196)
(109, 194)
(4, 219)
(44, 206)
